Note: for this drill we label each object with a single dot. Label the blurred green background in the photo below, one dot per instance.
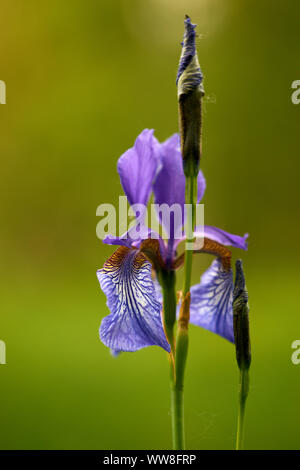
(83, 79)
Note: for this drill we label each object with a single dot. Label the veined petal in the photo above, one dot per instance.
(211, 301)
(135, 319)
(138, 166)
(115, 353)
(220, 236)
(158, 291)
(169, 186)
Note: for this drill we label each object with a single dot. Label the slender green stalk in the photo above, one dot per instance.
(178, 357)
(177, 418)
(243, 394)
(167, 280)
(168, 283)
(190, 92)
(182, 339)
(177, 390)
(190, 198)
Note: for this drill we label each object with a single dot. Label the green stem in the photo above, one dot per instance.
(177, 390)
(243, 393)
(167, 280)
(177, 418)
(178, 360)
(190, 198)
(182, 332)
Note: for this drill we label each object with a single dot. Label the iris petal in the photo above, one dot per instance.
(211, 301)
(169, 185)
(218, 235)
(115, 353)
(225, 238)
(158, 291)
(138, 166)
(135, 319)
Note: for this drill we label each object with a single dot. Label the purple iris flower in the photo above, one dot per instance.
(133, 294)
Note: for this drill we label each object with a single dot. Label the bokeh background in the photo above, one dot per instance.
(83, 79)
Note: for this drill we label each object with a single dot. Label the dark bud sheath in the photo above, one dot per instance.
(241, 319)
(190, 93)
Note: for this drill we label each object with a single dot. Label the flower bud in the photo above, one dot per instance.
(241, 319)
(190, 92)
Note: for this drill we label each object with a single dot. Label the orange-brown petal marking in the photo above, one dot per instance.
(117, 257)
(150, 248)
(214, 248)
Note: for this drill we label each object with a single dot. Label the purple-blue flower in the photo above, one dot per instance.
(127, 278)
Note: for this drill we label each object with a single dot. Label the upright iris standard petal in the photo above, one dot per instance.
(220, 236)
(211, 301)
(169, 186)
(135, 319)
(138, 166)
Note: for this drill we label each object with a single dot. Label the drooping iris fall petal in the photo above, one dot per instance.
(211, 301)
(135, 319)
(218, 235)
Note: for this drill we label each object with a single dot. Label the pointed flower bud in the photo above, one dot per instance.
(241, 319)
(190, 92)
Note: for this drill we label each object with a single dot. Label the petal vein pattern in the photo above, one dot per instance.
(135, 319)
(211, 301)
